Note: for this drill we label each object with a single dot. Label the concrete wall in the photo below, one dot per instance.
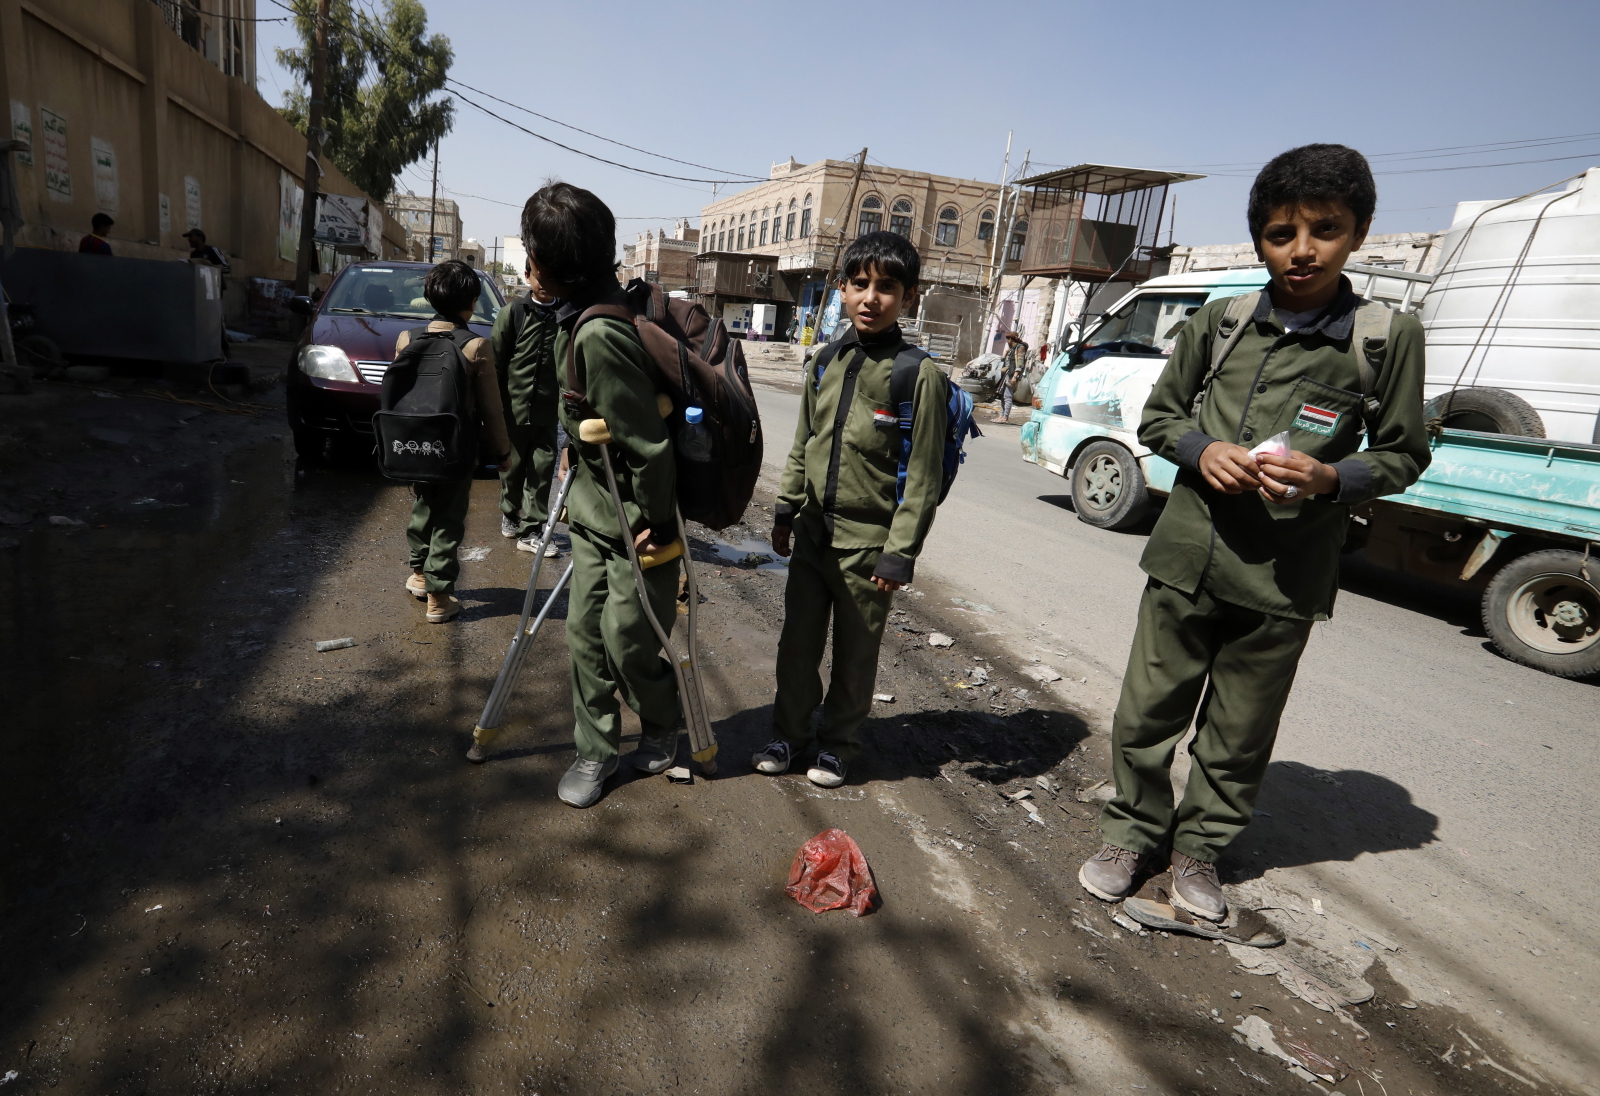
(1415, 251)
(174, 135)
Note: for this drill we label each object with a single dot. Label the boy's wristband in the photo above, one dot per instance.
(1190, 446)
(893, 568)
(782, 513)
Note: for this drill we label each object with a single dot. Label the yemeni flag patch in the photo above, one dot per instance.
(1318, 420)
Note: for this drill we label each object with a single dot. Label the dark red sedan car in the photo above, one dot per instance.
(337, 370)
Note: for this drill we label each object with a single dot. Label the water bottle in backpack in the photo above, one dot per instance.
(694, 440)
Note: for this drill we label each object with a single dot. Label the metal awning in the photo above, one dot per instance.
(1108, 179)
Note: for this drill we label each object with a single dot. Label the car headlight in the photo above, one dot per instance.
(328, 363)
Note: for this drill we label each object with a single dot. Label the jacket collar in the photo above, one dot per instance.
(889, 337)
(1336, 321)
(570, 310)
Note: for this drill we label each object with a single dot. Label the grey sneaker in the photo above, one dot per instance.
(1112, 873)
(657, 754)
(772, 759)
(530, 543)
(508, 527)
(581, 786)
(828, 772)
(1195, 888)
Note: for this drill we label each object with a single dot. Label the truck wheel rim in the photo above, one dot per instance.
(1556, 613)
(1102, 482)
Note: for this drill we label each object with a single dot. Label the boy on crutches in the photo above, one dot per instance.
(571, 241)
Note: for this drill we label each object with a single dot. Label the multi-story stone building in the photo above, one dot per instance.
(798, 216)
(417, 213)
(657, 257)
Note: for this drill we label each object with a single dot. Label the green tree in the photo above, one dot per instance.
(380, 73)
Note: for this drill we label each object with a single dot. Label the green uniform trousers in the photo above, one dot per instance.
(525, 484)
(1250, 658)
(824, 582)
(438, 522)
(613, 647)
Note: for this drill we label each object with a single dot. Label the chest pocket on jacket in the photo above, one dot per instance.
(873, 429)
(1323, 421)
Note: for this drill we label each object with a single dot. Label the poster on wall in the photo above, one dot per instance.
(104, 158)
(291, 201)
(57, 175)
(166, 214)
(341, 221)
(374, 229)
(22, 130)
(191, 203)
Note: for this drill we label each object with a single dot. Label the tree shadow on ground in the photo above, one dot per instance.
(1307, 815)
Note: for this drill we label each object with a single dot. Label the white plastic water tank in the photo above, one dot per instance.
(1516, 305)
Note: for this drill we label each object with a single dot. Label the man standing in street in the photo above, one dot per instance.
(95, 243)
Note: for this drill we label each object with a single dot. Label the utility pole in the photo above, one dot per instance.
(433, 202)
(833, 264)
(1004, 241)
(1000, 206)
(314, 138)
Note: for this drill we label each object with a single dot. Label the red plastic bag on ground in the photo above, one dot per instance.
(829, 873)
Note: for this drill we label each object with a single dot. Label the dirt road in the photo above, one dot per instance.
(233, 864)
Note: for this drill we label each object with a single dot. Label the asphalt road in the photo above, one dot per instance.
(1458, 785)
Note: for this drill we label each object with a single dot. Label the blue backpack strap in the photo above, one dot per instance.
(902, 394)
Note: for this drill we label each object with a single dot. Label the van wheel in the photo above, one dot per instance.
(1108, 488)
(1542, 611)
(1487, 410)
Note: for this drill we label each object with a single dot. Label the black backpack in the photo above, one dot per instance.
(425, 433)
(697, 365)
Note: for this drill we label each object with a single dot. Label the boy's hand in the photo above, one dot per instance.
(780, 539)
(644, 545)
(1229, 468)
(886, 585)
(1284, 479)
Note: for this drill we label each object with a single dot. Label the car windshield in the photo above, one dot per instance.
(1148, 324)
(397, 291)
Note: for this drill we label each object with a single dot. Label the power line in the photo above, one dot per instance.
(608, 140)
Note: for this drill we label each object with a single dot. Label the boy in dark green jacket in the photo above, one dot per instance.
(854, 541)
(571, 240)
(524, 341)
(1245, 555)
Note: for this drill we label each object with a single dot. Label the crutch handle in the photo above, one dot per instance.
(594, 431)
(666, 554)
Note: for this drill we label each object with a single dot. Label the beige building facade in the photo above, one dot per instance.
(148, 112)
(420, 214)
(667, 260)
(1414, 251)
(799, 215)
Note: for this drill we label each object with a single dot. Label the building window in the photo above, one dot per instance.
(900, 217)
(871, 215)
(986, 225)
(763, 228)
(1019, 237)
(741, 239)
(949, 228)
(788, 227)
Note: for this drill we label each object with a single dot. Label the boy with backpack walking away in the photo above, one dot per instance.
(571, 241)
(441, 387)
(1262, 406)
(524, 342)
(868, 468)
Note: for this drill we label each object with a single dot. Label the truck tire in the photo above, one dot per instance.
(1108, 487)
(1487, 410)
(1542, 610)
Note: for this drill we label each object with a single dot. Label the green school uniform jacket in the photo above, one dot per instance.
(528, 369)
(843, 468)
(1275, 559)
(615, 369)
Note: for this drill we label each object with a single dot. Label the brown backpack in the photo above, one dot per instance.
(696, 365)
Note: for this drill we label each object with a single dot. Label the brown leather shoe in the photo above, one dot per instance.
(1112, 873)
(1196, 889)
(442, 607)
(416, 585)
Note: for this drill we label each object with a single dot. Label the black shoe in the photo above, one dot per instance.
(773, 758)
(828, 772)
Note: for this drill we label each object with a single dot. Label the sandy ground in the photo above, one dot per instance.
(233, 864)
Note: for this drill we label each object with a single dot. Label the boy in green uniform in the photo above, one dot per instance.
(1245, 555)
(854, 543)
(439, 512)
(524, 341)
(571, 240)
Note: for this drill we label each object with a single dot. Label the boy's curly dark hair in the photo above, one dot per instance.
(571, 234)
(1313, 173)
(452, 288)
(889, 252)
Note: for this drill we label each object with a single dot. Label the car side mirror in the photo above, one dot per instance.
(302, 306)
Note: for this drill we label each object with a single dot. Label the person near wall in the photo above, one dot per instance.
(1015, 360)
(95, 243)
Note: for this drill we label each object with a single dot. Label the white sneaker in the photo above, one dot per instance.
(828, 772)
(508, 528)
(531, 544)
(773, 758)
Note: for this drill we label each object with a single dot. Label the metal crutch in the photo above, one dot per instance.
(702, 740)
(489, 722)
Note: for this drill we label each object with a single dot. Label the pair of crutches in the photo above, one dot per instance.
(702, 740)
